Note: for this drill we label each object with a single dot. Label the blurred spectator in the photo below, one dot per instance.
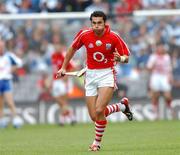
(176, 67)
(98, 5)
(12, 6)
(161, 78)
(82, 4)
(9, 63)
(61, 87)
(127, 6)
(52, 6)
(2, 8)
(44, 85)
(154, 4)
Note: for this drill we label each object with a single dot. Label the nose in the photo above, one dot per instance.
(96, 26)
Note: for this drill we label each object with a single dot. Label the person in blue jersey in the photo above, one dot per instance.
(9, 63)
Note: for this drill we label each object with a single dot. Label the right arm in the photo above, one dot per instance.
(150, 63)
(68, 57)
(76, 44)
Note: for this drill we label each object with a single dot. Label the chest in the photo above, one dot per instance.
(57, 59)
(4, 62)
(94, 44)
(161, 61)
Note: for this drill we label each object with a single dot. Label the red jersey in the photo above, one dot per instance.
(100, 49)
(57, 59)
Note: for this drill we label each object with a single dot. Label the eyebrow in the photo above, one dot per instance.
(96, 22)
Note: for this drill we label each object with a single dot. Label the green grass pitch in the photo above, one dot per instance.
(127, 138)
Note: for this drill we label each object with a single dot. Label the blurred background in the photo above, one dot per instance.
(35, 40)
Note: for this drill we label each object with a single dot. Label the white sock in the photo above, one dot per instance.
(122, 107)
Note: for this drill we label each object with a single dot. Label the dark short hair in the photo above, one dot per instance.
(98, 14)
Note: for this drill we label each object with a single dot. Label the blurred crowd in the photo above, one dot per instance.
(35, 41)
(122, 6)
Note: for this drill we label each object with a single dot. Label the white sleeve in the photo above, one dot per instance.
(17, 60)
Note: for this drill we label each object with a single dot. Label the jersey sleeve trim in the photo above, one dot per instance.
(121, 41)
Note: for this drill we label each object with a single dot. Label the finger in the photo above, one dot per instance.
(117, 54)
(58, 75)
(116, 50)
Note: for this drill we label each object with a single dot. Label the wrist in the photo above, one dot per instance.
(122, 58)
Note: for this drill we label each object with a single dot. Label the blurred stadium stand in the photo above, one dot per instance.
(25, 90)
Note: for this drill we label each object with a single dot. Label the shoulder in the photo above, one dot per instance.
(82, 33)
(9, 55)
(115, 35)
(167, 55)
(153, 56)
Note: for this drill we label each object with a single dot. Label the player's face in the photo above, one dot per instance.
(160, 49)
(98, 25)
(1, 47)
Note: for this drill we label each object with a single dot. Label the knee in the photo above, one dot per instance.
(99, 111)
(93, 118)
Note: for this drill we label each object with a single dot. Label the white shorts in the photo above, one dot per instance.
(160, 83)
(61, 87)
(96, 78)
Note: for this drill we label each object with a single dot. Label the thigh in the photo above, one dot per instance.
(9, 98)
(1, 101)
(165, 84)
(61, 99)
(155, 83)
(91, 105)
(6, 86)
(59, 88)
(104, 96)
(90, 84)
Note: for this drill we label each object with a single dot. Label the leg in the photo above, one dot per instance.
(91, 104)
(1, 106)
(155, 101)
(10, 101)
(3, 122)
(16, 121)
(59, 92)
(168, 99)
(64, 112)
(123, 106)
(104, 97)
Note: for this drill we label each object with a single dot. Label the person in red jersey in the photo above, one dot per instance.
(104, 49)
(160, 68)
(61, 87)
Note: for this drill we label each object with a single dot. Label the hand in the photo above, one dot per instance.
(60, 73)
(118, 57)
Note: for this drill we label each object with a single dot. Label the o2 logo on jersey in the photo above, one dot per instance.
(99, 57)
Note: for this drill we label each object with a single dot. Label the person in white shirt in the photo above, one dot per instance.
(160, 67)
(9, 63)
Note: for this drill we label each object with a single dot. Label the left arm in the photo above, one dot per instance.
(121, 53)
(15, 61)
